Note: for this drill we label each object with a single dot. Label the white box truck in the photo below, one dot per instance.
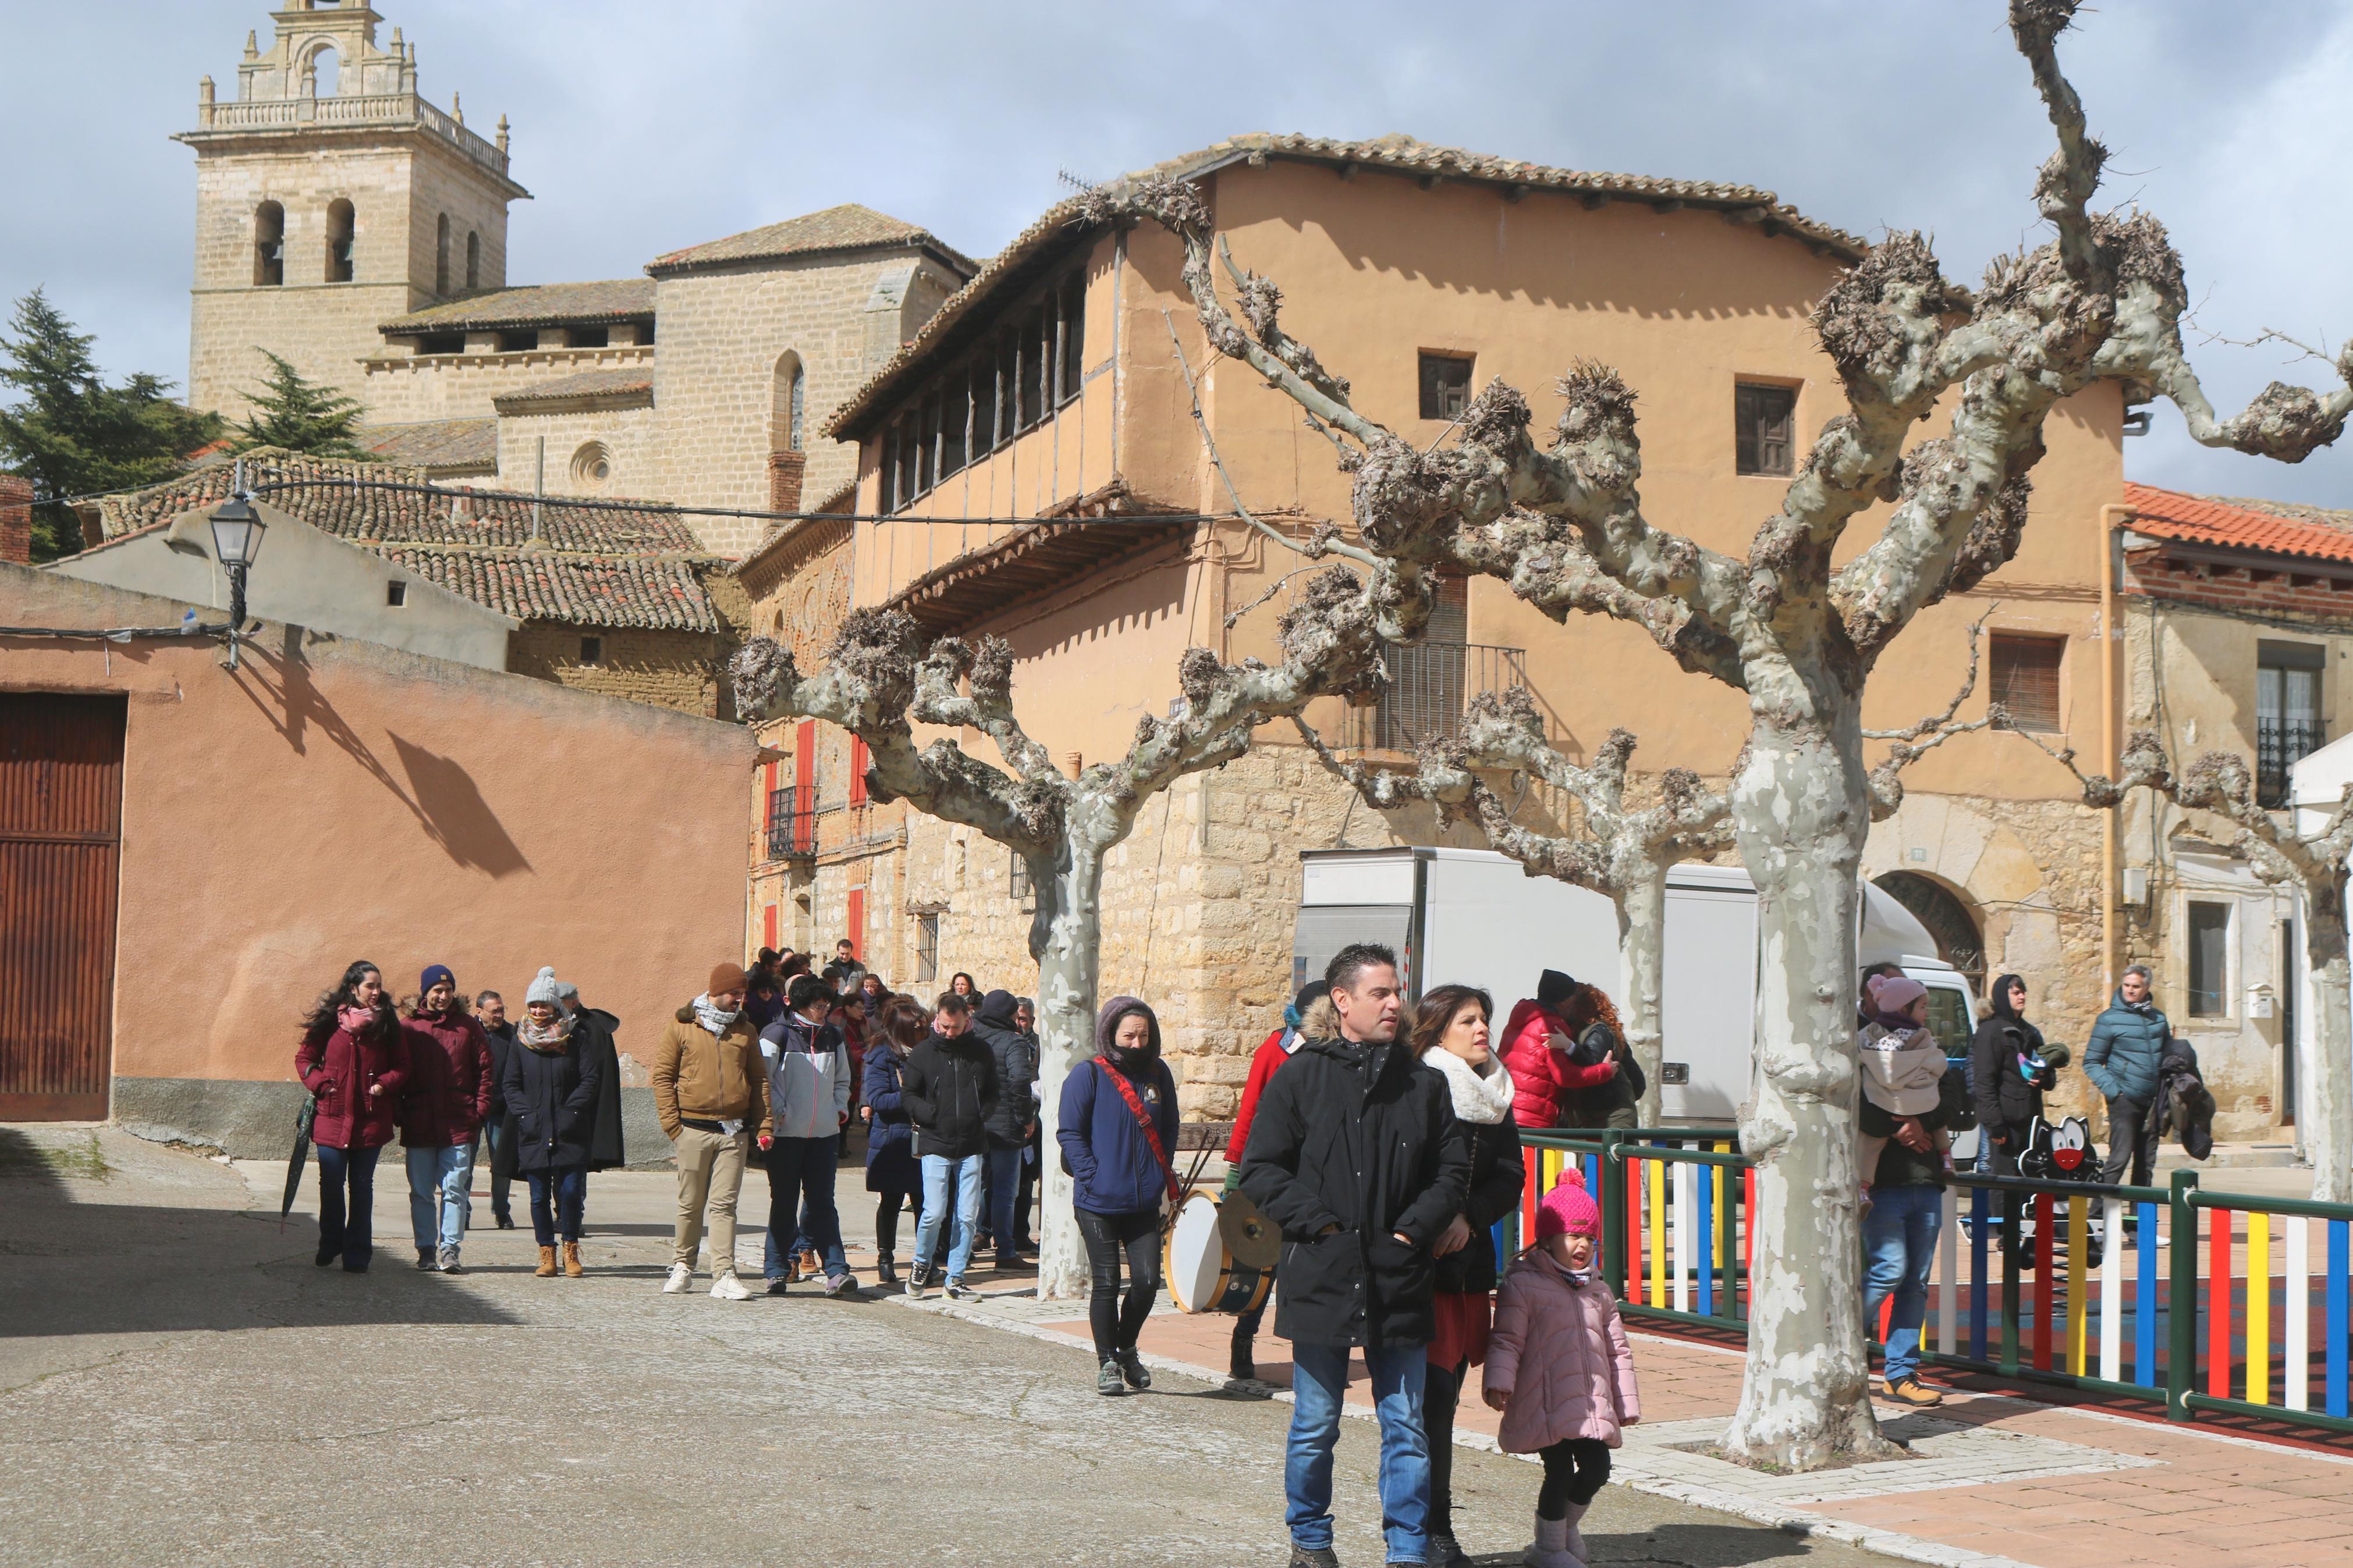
(1474, 917)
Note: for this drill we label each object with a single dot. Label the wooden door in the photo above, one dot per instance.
(60, 850)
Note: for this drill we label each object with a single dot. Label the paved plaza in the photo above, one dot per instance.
(178, 1384)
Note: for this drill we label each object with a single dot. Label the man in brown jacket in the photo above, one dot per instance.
(711, 1092)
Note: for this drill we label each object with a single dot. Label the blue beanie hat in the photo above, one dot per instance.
(436, 974)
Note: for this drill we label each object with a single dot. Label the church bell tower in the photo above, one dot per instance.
(331, 195)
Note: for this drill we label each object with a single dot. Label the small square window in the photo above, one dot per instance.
(927, 948)
(1445, 385)
(1765, 421)
(2209, 960)
(592, 651)
(2024, 680)
(395, 593)
(1025, 891)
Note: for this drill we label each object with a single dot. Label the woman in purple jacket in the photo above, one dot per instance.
(1118, 1133)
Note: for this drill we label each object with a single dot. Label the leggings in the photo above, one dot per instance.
(1116, 1324)
(1442, 1387)
(886, 1218)
(1575, 1469)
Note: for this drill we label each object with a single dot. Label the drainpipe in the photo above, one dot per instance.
(2112, 516)
(539, 488)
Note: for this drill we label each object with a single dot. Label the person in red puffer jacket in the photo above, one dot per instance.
(1272, 1052)
(354, 1060)
(1536, 1044)
(442, 1109)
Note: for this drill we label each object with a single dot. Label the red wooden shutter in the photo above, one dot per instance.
(768, 922)
(859, 757)
(805, 785)
(767, 800)
(857, 931)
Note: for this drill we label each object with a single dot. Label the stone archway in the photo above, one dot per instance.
(1950, 918)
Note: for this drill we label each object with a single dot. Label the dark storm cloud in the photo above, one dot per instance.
(643, 128)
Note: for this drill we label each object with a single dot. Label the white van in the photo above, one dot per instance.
(1476, 917)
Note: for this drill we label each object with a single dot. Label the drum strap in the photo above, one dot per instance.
(1144, 1120)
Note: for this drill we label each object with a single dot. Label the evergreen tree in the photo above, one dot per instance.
(300, 416)
(73, 435)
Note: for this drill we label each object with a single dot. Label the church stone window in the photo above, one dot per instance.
(441, 256)
(339, 241)
(592, 466)
(473, 258)
(269, 246)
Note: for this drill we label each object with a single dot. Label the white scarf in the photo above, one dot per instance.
(1486, 1100)
(710, 1017)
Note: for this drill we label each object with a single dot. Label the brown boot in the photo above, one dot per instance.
(547, 1269)
(572, 1260)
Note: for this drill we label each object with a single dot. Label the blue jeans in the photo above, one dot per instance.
(569, 1187)
(1004, 1186)
(937, 1170)
(1899, 1243)
(800, 1174)
(349, 1230)
(440, 1194)
(1319, 1380)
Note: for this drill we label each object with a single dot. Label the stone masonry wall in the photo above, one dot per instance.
(671, 669)
(627, 435)
(405, 388)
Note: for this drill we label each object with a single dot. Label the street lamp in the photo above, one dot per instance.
(237, 540)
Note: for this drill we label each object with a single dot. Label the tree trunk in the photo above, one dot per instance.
(2327, 1049)
(1641, 956)
(1800, 808)
(1066, 939)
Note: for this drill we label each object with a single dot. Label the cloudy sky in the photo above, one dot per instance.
(641, 128)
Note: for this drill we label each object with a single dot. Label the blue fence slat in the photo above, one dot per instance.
(2145, 1298)
(1980, 1211)
(2336, 1272)
(1703, 1181)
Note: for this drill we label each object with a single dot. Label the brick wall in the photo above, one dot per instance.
(15, 519)
(2281, 592)
(670, 670)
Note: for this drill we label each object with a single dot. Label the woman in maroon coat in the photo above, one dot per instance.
(354, 1058)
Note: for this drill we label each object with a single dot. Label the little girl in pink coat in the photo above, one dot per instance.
(1559, 1368)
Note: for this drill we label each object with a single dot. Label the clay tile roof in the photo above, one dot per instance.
(636, 564)
(1061, 226)
(541, 305)
(611, 383)
(2276, 528)
(437, 446)
(845, 228)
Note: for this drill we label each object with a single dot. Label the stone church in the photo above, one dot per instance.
(352, 225)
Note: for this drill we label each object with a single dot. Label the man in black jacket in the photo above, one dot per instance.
(1355, 1154)
(499, 1127)
(949, 1090)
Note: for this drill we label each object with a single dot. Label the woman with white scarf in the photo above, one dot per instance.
(551, 1090)
(1450, 1035)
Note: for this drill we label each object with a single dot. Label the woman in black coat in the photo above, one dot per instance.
(552, 1083)
(1450, 1035)
(892, 1171)
(2010, 1069)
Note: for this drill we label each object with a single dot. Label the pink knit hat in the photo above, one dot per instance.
(1891, 993)
(1569, 1209)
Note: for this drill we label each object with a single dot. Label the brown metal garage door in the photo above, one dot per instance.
(60, 843)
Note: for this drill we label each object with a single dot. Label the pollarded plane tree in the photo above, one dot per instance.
(2219, 784)
(1623, 850)
(880, 680)
(1563, 522)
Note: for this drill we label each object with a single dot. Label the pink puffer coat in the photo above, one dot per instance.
(1561, 1352)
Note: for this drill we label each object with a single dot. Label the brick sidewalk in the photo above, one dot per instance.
(1999, 1479)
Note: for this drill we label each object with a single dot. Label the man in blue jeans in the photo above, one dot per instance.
(1359, 1213)
(948, 1088)
(1899, 1235)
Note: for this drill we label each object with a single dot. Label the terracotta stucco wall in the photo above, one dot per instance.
(332, 801)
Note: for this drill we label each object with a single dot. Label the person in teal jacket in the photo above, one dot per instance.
(2121, 1061)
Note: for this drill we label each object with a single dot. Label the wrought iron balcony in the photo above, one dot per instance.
(1430, 687)
(791, 833)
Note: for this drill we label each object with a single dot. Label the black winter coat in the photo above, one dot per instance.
(1352, 1146)
(2006, 1097)
(553, 1098)
(949, 1090)
(597, 1030)
(1016, 1057)
(1497, 1177)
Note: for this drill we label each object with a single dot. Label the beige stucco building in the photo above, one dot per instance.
(1050, 389)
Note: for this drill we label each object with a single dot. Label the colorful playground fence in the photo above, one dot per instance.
(2112, 1289)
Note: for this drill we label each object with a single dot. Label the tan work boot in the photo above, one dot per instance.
(572, 1260)
(547, 1269)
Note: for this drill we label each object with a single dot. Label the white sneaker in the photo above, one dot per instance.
(680, 1276)
(727, 1287)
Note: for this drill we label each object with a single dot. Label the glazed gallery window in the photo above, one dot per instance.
(1015, 381)
(2023, 680)
(1445, 385)
(1764, 422)
(2287, 715)
(2209, 959)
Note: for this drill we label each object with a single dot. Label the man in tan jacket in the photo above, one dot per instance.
(711, 1094)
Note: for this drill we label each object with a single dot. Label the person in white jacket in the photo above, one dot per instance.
(808, 1104)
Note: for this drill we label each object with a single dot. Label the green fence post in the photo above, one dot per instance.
(2181, 1296)
(1612, 1197)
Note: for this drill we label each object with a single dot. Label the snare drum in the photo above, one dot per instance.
(1200, 1268)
